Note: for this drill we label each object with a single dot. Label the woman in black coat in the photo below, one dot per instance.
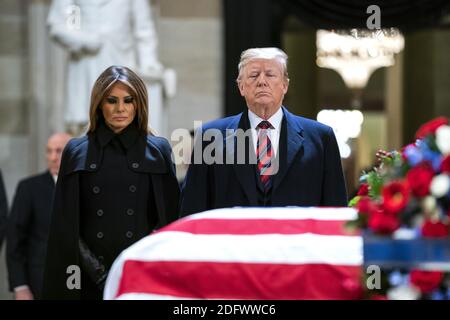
(115, 186)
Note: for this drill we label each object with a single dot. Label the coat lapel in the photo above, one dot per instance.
(290, 144)
(245, 173)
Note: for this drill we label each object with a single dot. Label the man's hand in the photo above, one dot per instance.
(23, 294)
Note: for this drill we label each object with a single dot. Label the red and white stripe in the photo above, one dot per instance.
(244, 253)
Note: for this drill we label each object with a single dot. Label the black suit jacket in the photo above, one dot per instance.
(28, 227)
(3, 210)
(310, 171)
(81, 155)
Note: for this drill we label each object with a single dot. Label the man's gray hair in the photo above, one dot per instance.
(263, 53)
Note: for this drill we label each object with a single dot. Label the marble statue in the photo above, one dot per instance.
(101, 33)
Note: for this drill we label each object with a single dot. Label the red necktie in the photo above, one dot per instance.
(264, 155)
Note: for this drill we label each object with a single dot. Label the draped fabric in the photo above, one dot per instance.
(244, 253)
(259, 23)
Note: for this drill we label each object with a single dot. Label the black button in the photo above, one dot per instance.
(100, 235)
(129, 234)
(96, 190)
(130, 212)
(101, 258)
(100, 212)
(132, 188)
(135, 165)
(93, 166)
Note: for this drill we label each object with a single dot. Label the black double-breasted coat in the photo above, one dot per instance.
(112, 190)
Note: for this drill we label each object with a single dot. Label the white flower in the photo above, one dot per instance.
(429, 203)
(404, 234)
(404, 292)
(440, 185)
(443, 139)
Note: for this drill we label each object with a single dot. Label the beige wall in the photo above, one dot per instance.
(190, 36)
(14, 140)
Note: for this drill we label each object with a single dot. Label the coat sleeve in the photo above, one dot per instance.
(62, 248)
(171, 188)
(196, 193)
(18, 232)
(167, 189)
(334, 193)
(3, 211)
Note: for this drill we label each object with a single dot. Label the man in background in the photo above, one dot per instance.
(29, 223)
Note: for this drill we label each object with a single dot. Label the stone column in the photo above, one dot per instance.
(46, 74)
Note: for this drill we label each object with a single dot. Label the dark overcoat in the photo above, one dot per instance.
(150, 156)
(309, 173)
(28, 226)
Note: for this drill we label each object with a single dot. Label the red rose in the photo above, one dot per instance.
(419, 180)
(445, 165)
(383, 222)
(435, 230)
(365, 205)
(395, 196)
(363, 190)
(430, 127)
(426, 281)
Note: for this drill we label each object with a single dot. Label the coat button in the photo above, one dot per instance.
(132, 188)
(96, 190)
(100, 212)
(135, 165)
(93, 166)
(130, 212)
(101, 258)
(129, 234)
(100, 235)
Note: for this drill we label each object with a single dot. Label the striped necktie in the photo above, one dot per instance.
(264, 155)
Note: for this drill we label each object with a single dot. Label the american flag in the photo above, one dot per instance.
(244, 253)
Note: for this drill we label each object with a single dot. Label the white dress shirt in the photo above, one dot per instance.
(274, 134)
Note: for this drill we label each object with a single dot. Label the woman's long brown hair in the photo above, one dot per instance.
(103, 86)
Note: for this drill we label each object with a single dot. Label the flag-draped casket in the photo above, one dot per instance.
(244, 253)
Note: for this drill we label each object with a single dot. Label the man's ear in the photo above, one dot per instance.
(241, 87)
(286, 86)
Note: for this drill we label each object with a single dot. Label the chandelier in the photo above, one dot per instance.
(356, 53)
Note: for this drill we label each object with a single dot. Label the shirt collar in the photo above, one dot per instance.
(127, 136)
(275, 119)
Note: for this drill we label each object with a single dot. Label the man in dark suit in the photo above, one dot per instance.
(29, 223)
(286, 160)
(3, 210)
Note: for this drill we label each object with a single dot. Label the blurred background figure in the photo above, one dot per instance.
(29, 223)
(3, 210)
(101, 33)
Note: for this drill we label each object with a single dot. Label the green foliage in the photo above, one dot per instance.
(354, 201)
(375, 182)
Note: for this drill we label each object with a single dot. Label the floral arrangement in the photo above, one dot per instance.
(408, 193)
